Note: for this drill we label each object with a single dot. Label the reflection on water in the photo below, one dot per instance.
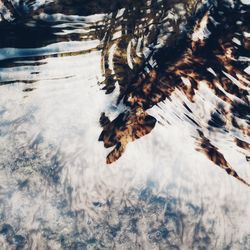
(176, 75)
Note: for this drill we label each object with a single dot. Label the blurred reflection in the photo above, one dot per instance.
(175, 74)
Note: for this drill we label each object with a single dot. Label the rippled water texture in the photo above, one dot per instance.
(124, 124)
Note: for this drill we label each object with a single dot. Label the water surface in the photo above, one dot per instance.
(164, 192)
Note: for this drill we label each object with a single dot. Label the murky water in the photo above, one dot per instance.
(172, 78)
